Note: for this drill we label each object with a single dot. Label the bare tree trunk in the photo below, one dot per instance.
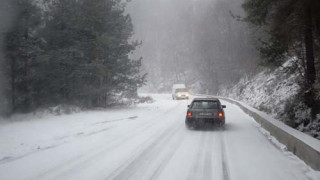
(13, 89)
(310, 61)
(309, 48)
(7, 17)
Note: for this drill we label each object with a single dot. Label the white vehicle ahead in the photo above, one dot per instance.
(179, 91)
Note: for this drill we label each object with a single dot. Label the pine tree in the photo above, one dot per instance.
(291, 26)
(78, 54)
(22, 48)
(90, 39)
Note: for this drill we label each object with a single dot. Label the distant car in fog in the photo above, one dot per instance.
(205, 111)
(179, 91)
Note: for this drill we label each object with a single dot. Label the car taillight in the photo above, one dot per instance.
(189, 114)
(220, 114)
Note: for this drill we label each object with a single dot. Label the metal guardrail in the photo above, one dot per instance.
(302, 149)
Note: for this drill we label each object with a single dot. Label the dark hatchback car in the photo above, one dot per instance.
(205, 111)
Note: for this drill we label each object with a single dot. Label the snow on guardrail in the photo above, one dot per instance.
(302, 145)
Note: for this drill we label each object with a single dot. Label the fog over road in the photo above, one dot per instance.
(149, 142)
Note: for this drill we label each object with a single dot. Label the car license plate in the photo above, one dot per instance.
(205, 114)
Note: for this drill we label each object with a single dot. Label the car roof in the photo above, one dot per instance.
(205, 99)
(179, 86)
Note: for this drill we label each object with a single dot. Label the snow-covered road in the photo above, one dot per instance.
(146, 142)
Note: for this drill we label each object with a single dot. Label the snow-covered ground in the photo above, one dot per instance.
(149, 141)
(267, 91)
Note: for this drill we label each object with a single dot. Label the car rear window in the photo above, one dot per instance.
(205, 105)
(181, 90)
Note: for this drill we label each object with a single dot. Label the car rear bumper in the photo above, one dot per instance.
(201, 121)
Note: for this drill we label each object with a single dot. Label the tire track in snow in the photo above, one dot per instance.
(225, 168)
(144, 157)
(195, 167)
(207, 170)
(203, 162)
(68, 165)
(167, 159)
(79, 134)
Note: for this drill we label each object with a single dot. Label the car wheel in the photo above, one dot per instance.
(222, 126)
(190, 126)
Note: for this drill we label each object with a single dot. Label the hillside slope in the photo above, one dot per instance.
(274, 91)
